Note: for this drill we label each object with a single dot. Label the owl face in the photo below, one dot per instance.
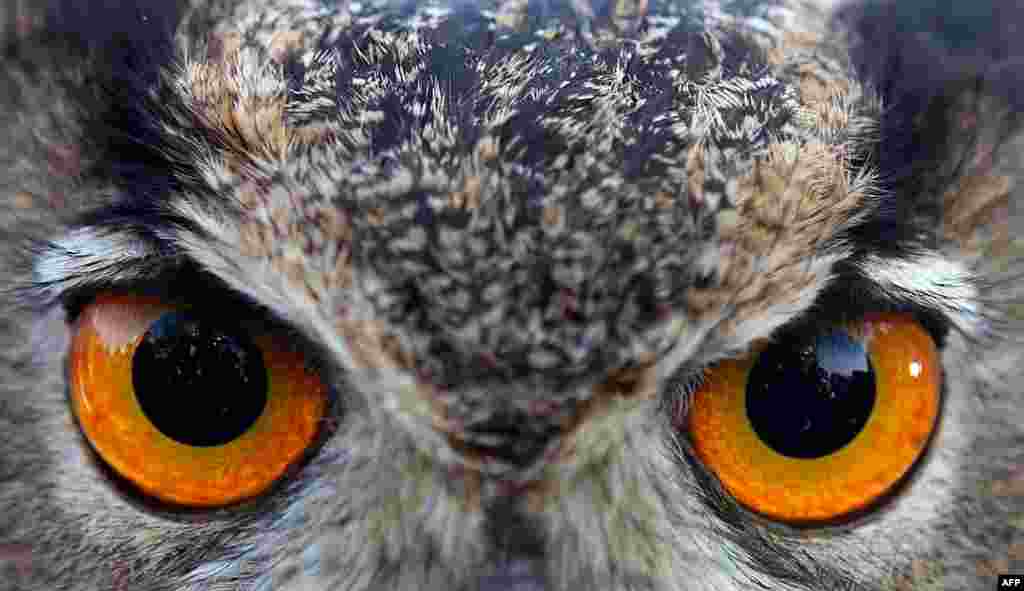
(413, 296)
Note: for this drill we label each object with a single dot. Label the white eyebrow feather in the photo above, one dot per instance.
(90, 254)
(931, 280)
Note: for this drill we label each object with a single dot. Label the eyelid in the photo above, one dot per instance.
(685, 384)
(193, 289)
(849, 298)
(90, 260)
(187, 285)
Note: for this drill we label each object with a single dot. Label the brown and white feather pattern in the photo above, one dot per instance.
(498, 209)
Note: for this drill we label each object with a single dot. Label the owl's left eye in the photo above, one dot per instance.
(815, 428)
(192, 409)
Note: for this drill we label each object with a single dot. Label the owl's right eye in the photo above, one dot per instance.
(814, 428)
(193, 410)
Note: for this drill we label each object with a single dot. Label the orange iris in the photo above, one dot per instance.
(806, 490)
(105, 338)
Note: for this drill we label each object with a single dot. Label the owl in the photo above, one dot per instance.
(611, 295)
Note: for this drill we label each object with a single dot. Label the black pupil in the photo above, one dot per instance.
(808, 398)
(199, 383)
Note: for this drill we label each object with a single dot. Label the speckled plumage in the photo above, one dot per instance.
(511, 234)
(526, 201)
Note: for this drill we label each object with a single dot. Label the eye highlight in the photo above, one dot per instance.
(812, 429)
(192, 410)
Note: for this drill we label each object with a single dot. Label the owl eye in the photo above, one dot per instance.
(812, 429)
(192, 410)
